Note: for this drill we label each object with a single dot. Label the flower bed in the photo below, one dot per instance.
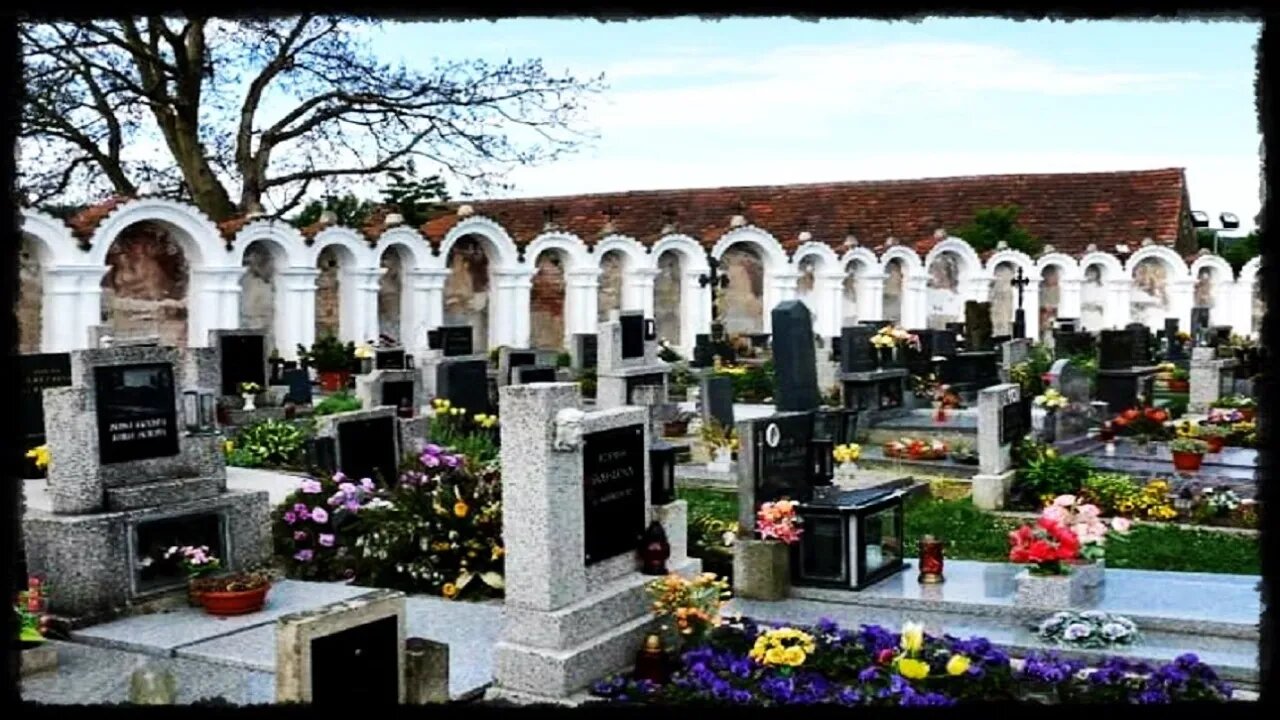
(749, 664)
(909, 448)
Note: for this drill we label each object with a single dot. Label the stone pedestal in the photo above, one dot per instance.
(1056, 592)
(296, 657)
(761, 570)
(426, 672)
(991, 491)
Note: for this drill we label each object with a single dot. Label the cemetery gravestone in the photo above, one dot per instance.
(465, 384)
(38, 372)
(535, 374)
(367, 447)
(518, 359)
(778, 462)
(1117, 350)
(349, 653)
(795, 369)
(632, 335)
(243, 360)
(456, 340)
(389, 359)
(137, 412)
(717, 400)
(398, 393)
(299, 383)
(978, 327)
(1199, 324)
(584, 354)
(1000, 425)
(613, 463)
(857, 354)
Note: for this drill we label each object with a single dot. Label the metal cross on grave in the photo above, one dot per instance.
(717, 281)
(1019, 317)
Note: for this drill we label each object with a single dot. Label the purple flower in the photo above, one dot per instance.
(849, 696)
(367, 484)
(304, 555)
(326, 539)
(450, 460)
(311, 487)
(290, 517)
(299, 535)
(741, 697)
(431, 449)
(868, 675)
(339, 477)
(336, 500)
(320, 516)
(347, 488)
(431, 460)
(1152, 697)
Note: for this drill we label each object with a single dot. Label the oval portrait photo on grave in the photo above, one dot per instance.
(772, 435)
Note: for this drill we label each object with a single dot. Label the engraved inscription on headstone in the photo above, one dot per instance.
(367, 449)
(137, 412)
(359, 666)
(783, 465)
(243, 361)
(38, 372)
(1012, 418)
(613, 481)
(389, 359)
(465, 384)
(456, 340)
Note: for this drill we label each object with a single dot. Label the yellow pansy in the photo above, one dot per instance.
(774, 656)
(913, 669)
(498, 552)
(793, 656)
(957, 665)
(41, 455)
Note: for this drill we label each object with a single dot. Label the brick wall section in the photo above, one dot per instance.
(328, 297)
(30, 298)
(546, 302)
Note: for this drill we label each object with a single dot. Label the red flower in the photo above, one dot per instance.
(885, 657)
(1130, 414)
(1158, 415)
(1120, 422)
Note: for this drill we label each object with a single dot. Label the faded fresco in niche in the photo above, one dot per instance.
(1050, 299)
(805, 283)
(849, 294)
(257, 290)
(744, 297)
(1003, 302)
(30, 297)
(667, 288)
(466, 290)
(1092, 299)
(328, 293)
(942, 292)
(1259, 306)
(609, 294)
(1206, 279)
(1150, 298)
(546, 301)
(390, 286)
(144, 291)
(892, 292)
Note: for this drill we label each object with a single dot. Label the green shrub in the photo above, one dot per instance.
(239, 457)
(563, 360)
(339, 402)
(1044, 472)
(271, 442)
(751, 383)
(587, 378)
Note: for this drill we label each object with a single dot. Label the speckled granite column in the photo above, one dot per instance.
(71, 430)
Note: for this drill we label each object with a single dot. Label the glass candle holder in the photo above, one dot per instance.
(191, 410)
(930, 560)
(208, 411)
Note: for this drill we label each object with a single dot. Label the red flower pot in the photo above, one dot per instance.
(1216, 444)
(1186, 461)
(1247, 414)
(334, 380)
(1179, 386)
(234, 603)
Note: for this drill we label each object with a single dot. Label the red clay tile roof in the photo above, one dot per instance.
(1065, 210)
(85, 222)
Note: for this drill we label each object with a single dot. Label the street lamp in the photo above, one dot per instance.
(1200, 221)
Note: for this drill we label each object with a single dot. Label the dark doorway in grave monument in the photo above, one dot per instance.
(358, 667)
(137, 412)
(397, 393)
(151, 539)
(367, 449)
(613, 480)
(243, 361)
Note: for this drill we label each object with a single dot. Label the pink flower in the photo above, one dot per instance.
(1056, 513)
(1065, 501)
(320, 516)
(339, 477)
(347, 488)
(367, 484)
(1121, 525)
(304, 555)
(326, 539)
(290, 517)
(431, 460)
(1088, 511)
(300, 508)
(299, 535)
(431, 449)
(311, 487)
(450, 460)
(336, 500)
(352, 505)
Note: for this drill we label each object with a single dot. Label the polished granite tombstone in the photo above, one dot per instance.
(1234, 468)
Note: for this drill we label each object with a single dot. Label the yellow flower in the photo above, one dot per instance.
(460, 509)
(774, 656)
(793, 656)
(957, 665)
(227, 447)
(456, 411)
(449, 590)
(912, 637)
(913, 669)
(1051, 453)
(41, 455)
(498, 552)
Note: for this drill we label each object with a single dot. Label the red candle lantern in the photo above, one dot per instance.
(1108, 432)
(651, 662)
(930, 560)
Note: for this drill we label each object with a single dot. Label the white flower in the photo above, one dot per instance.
(1077, 631)
(1094, 615)
(728, 538)
(1114, 630)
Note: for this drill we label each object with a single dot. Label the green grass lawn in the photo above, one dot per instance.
(973, 534)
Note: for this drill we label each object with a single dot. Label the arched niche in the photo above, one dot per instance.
(146, 288)
(895, 272)
(393, 293)
(1003, 298)
(259, 292)
(744, 309)
(1150, 301)
(468, 287)
(668, 291)
(1051, 277)
(32, 260)
(547, 300)
(1093, 295)
(613, 268)
(333, 261)
(806, 284)
(944, 295)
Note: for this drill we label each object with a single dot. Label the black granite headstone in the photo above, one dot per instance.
(587, 345)
(1116, 350)
(137, 412)
(1012, 423)
(299, 382)
(389, 359)
(37, 372)
(795, 379)
(632, 334)
(1141, 344)
(516, 359)
(465, 384)
(242, 361)
(358, 667)
(397, 392)
(978, 327)
(783, 464)
(857, 354)
(151, 539)
(613, 480)
(367, 449)
(717, 400)
(433, 339)
(456, 340)
(535, 374)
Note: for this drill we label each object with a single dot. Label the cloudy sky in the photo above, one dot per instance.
(694, 103)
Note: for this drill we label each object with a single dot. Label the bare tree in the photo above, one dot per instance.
(247, 115)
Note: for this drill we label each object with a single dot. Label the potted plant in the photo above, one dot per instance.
(332, 361)
(887, 341)
(687, 608)
(721, 442)
(916, 449)
(249, 391)
(1052, 401)
(1179, 381)
(1084, 520)
(678, 426)
(238, 593)
(33, 623)
(197, 562)
(1142, 425)
(762, 567)
(847, 458)
(1188, 453)
(1215, 436)
(1046, 548)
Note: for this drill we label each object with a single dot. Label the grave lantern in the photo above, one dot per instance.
(408, 362)
(662, 473)
(820, 456)
(191, 411)
(852, 538)
(827, 424)
(208, 411)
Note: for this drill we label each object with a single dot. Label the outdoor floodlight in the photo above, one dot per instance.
(1229, 221)
(1199, 218)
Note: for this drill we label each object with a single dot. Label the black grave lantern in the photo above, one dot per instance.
(852, 538)
(662, 473)
(820, 458)
(408, 362)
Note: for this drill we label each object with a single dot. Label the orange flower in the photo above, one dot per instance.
(460, 509)
(449, 590)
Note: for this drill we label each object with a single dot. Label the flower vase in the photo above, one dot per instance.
(847, 471)
(1056, 592)
(1216, 444)
(250, 401)
(1187, 461)
(229, 603)
(761, 570)
(721, 460)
